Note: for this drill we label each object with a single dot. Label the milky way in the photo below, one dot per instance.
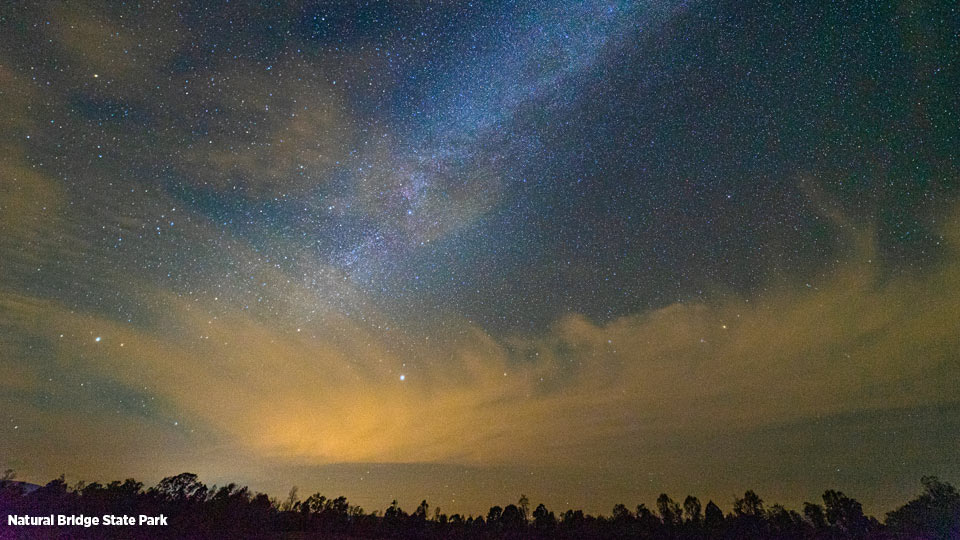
(591, 251)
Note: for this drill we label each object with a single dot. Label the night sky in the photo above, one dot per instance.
(587, 251)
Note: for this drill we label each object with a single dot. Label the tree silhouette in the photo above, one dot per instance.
(524, 504)
(815, 515)
(420, 514)
(783, 521)
(233, 512)
(692, 509)
(670, 512)
(933, 514)
(493, 515)
(646, 520)
(845, 513)
(750, 505)
(712, 516)
(55, 494)
(512, 517)
(572, 519)
(291, 502)
(180, 488)
(621, 513)
(543, 519)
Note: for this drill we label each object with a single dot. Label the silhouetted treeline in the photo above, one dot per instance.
(194, 510)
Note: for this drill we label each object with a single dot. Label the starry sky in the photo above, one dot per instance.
(590, 251)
